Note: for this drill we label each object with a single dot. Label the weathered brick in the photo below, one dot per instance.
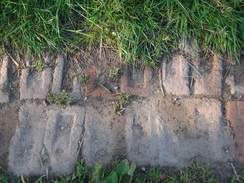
(132, 84)
(4, 65)
(235, 114)
(172, 133)
(46, 139)
(175, 77)
(94, 90)
(208, 79)
(234, 88)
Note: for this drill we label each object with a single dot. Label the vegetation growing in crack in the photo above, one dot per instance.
(39, 66)
(83, 78)
(61, 99)
(119, 106)
(115, 73)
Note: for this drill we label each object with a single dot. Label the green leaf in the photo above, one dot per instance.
(123, 167)
(112, 178)
(97, 173)
(132, 169)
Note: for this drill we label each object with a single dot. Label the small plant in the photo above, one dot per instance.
(124, 98)
(119, 107)
(3, 179)
(155, 174)
(83, 78)
(122, 173)
(72, 75)
(61, 99)
(39, 66)
(114, 73)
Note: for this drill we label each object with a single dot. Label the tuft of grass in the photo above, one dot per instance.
(119, 106)
(83, 78)
(39, 66)
(61, 99)
(115, 73)
(140, 30)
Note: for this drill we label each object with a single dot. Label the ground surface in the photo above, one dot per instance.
(183, 109)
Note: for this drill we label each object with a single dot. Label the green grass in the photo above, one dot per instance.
(126, 172)
(60, 99)
(141, 31)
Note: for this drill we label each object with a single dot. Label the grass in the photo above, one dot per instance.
(126, 172)
(123, 100)
(141, 31)
(61, 99)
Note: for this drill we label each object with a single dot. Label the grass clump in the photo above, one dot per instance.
(115, 73)
(83, 78)
(61, 99)
(119, 106)
(39, 66)
(140, 30)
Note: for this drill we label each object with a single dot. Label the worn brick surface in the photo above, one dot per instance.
(235, 114)
(208, 79)
(136, 84)
(46, 140)
(234, 88)
(175, 76)
(4, 65)
(174, 133)
(92, 89)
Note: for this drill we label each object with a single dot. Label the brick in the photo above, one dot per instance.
(208, 83)
(234, 88)
(235, 114)
(58, 74)
(94, 90)
(132, 84)
(46, 140)
(172, 133)
(4, 82)
(175, 77)
(76, 89)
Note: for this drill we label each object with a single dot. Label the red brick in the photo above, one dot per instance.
(235, 114)
(128, 86)
(94, 90)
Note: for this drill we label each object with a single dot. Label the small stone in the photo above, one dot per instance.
(226, 149)
(143, 169)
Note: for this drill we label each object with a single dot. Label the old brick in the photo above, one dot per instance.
(94, 90)
(175, 76)
(132, 84)
(208, 83)
(4, 95)
(235, 114)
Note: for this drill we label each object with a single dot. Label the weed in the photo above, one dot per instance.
(44, 159)
(72, 75)
(61, 99)
(154, 174)
(115, 73)
(3, 179)
(125, 171)
(119, 107)
(124, 98)
(39, 66)
(83, 78)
